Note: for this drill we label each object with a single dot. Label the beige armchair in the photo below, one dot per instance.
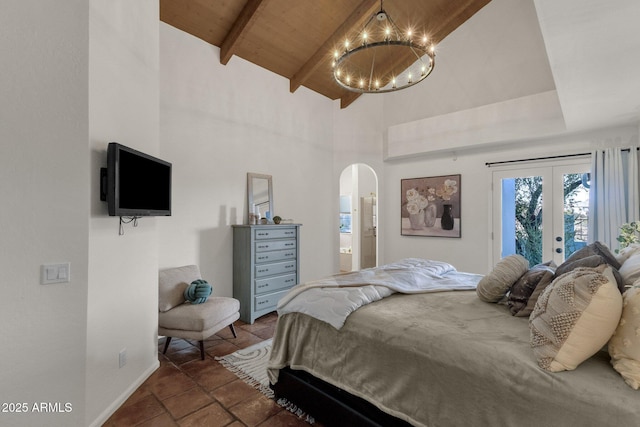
(181, 319)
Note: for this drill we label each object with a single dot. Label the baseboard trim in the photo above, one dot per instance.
(111, 409)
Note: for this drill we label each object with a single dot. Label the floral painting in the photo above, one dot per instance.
(430, 206)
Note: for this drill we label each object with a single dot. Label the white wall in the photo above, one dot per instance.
(43, 218)
(218, 123)
(122, 307)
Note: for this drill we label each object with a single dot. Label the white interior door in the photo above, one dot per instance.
(540, 212)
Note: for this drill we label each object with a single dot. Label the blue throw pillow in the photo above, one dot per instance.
(198, 291)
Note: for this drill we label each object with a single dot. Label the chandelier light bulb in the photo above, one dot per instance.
(361, 83)
(424, 40)
(410, 80)
(393, 83)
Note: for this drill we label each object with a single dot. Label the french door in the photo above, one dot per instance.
(540, 212)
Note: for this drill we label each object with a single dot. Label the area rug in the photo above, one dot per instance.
(250, 365)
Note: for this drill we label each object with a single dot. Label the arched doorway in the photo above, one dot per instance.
(358, 217)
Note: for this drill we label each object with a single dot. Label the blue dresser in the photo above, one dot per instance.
(265, 266)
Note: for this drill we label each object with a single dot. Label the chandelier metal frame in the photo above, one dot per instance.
(353, 78)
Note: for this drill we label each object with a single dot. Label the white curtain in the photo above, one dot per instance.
(613, 197)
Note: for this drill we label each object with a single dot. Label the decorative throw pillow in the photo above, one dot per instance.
(198, 291)
(624, 346)
(630, 270)
(495, 285)
(574, 318)
(521, 291)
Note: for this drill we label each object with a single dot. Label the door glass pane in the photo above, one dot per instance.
(522, 218)
(576, 211)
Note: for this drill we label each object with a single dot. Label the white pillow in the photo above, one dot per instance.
(624, 346)
(626, 253)
(574, 318)
(630, 270)
(495, 285)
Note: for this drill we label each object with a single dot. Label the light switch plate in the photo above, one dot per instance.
(55, 273)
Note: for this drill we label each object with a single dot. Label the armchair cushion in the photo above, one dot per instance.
(199, 317)
(172, 284)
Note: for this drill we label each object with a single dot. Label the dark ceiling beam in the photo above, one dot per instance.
(361, 13)
(244, 22)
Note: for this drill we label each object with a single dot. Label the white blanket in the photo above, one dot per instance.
(332, 299)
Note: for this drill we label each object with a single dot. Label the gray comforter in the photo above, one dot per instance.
(449, 359)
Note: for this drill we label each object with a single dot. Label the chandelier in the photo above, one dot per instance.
(372, 62)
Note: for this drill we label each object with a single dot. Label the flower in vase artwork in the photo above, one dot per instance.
(430, 206)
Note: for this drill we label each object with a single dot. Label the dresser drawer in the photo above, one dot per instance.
(269, 301)
(275, 245)
(275, 233)
(285, 267)
(272, 256)
(275, 283)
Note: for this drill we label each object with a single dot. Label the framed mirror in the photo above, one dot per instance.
(260, 194)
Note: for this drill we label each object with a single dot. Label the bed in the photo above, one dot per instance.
(441, 358)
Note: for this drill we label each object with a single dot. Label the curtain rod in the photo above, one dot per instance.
(489, 164)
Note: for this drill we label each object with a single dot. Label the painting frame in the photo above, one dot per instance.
(431, 206)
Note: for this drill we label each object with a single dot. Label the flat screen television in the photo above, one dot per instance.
(135, 183)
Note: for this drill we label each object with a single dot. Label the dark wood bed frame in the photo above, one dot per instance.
(329, 404)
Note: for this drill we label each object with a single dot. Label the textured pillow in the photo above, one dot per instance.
(198, 291)
(495, 285)
(630, 270)
(574, 318)
(624, 346)
(521, 291)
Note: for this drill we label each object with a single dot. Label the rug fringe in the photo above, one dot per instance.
(291, 407)
(247, 365)
(248, 379)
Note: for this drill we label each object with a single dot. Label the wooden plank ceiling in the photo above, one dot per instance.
(296, 38)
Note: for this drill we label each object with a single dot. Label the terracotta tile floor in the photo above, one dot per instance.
(187, 391)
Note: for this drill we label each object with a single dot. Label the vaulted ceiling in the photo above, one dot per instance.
(585, 52)
(296, 38)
